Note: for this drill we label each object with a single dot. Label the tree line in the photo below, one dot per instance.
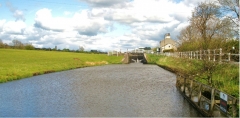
(213, 25)
(16, 44)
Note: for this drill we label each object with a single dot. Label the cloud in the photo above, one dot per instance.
(81, 22)
(106, 25)
(13, 27)
(105, 3)
(17, 14)
(67, 13)
(2, 22)
(139, 11)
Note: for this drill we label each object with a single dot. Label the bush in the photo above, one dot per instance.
(29, 47)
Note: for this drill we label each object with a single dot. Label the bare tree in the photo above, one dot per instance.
(17, 44)
(230, 9)
(188, 39)
(231, 6)
(202, 16)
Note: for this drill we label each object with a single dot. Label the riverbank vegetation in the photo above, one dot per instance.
(213, 25)
(223, 76)
(17, 64)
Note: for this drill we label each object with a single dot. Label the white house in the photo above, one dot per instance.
(167, 43)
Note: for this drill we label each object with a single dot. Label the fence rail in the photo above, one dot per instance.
(207, 99)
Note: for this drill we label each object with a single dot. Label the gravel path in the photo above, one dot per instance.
(113, 90)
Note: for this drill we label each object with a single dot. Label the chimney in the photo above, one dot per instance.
(167, 35)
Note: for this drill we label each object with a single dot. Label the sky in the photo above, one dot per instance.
(103, 25)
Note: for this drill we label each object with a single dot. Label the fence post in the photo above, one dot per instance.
(194, 56)
(200, 55)
(220, 55)
(214, 55)
(212, 100)
(191, 54)
(229, 57)
(209, 52)
(204, 54)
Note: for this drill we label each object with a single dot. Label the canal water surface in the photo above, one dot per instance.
(130, 90)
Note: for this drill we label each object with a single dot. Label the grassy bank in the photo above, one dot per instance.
(224, 77)
(17, 64)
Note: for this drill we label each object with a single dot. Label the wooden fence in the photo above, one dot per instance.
(211, 55)
(208, 100)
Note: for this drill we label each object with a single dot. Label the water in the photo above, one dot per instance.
(130, 90)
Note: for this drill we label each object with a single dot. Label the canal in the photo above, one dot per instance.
(128, 90)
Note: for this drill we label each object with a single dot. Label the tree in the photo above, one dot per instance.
(188, 39)
(202, 17)
(29, 47)
(231, 6)
(209, 30)
(1, 44)
(81, 49)
(17, 44)
(230, 9)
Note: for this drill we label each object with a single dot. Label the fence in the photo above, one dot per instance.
(208, 100)
(211, 55)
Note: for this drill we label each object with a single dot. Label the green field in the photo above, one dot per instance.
(18, 64)
(225, 76)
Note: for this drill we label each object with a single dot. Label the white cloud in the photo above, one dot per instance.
(2, 22)
(17, 14)
(14, 27)
(81, 22)
(141, 23)
(45, 20)
(67, 13)
(104, 3)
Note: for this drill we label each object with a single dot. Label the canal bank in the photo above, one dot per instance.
(205, 82)
(128, 90)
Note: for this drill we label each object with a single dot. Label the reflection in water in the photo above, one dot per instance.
(113, 90)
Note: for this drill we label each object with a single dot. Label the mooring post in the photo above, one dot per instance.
(184, 85)
(191, 89)
(212, 101)
(234, 109)
(199, 94)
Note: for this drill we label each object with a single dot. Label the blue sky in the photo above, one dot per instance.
(94, 24)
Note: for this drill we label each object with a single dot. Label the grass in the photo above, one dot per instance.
(18, 64)
(225, 76)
